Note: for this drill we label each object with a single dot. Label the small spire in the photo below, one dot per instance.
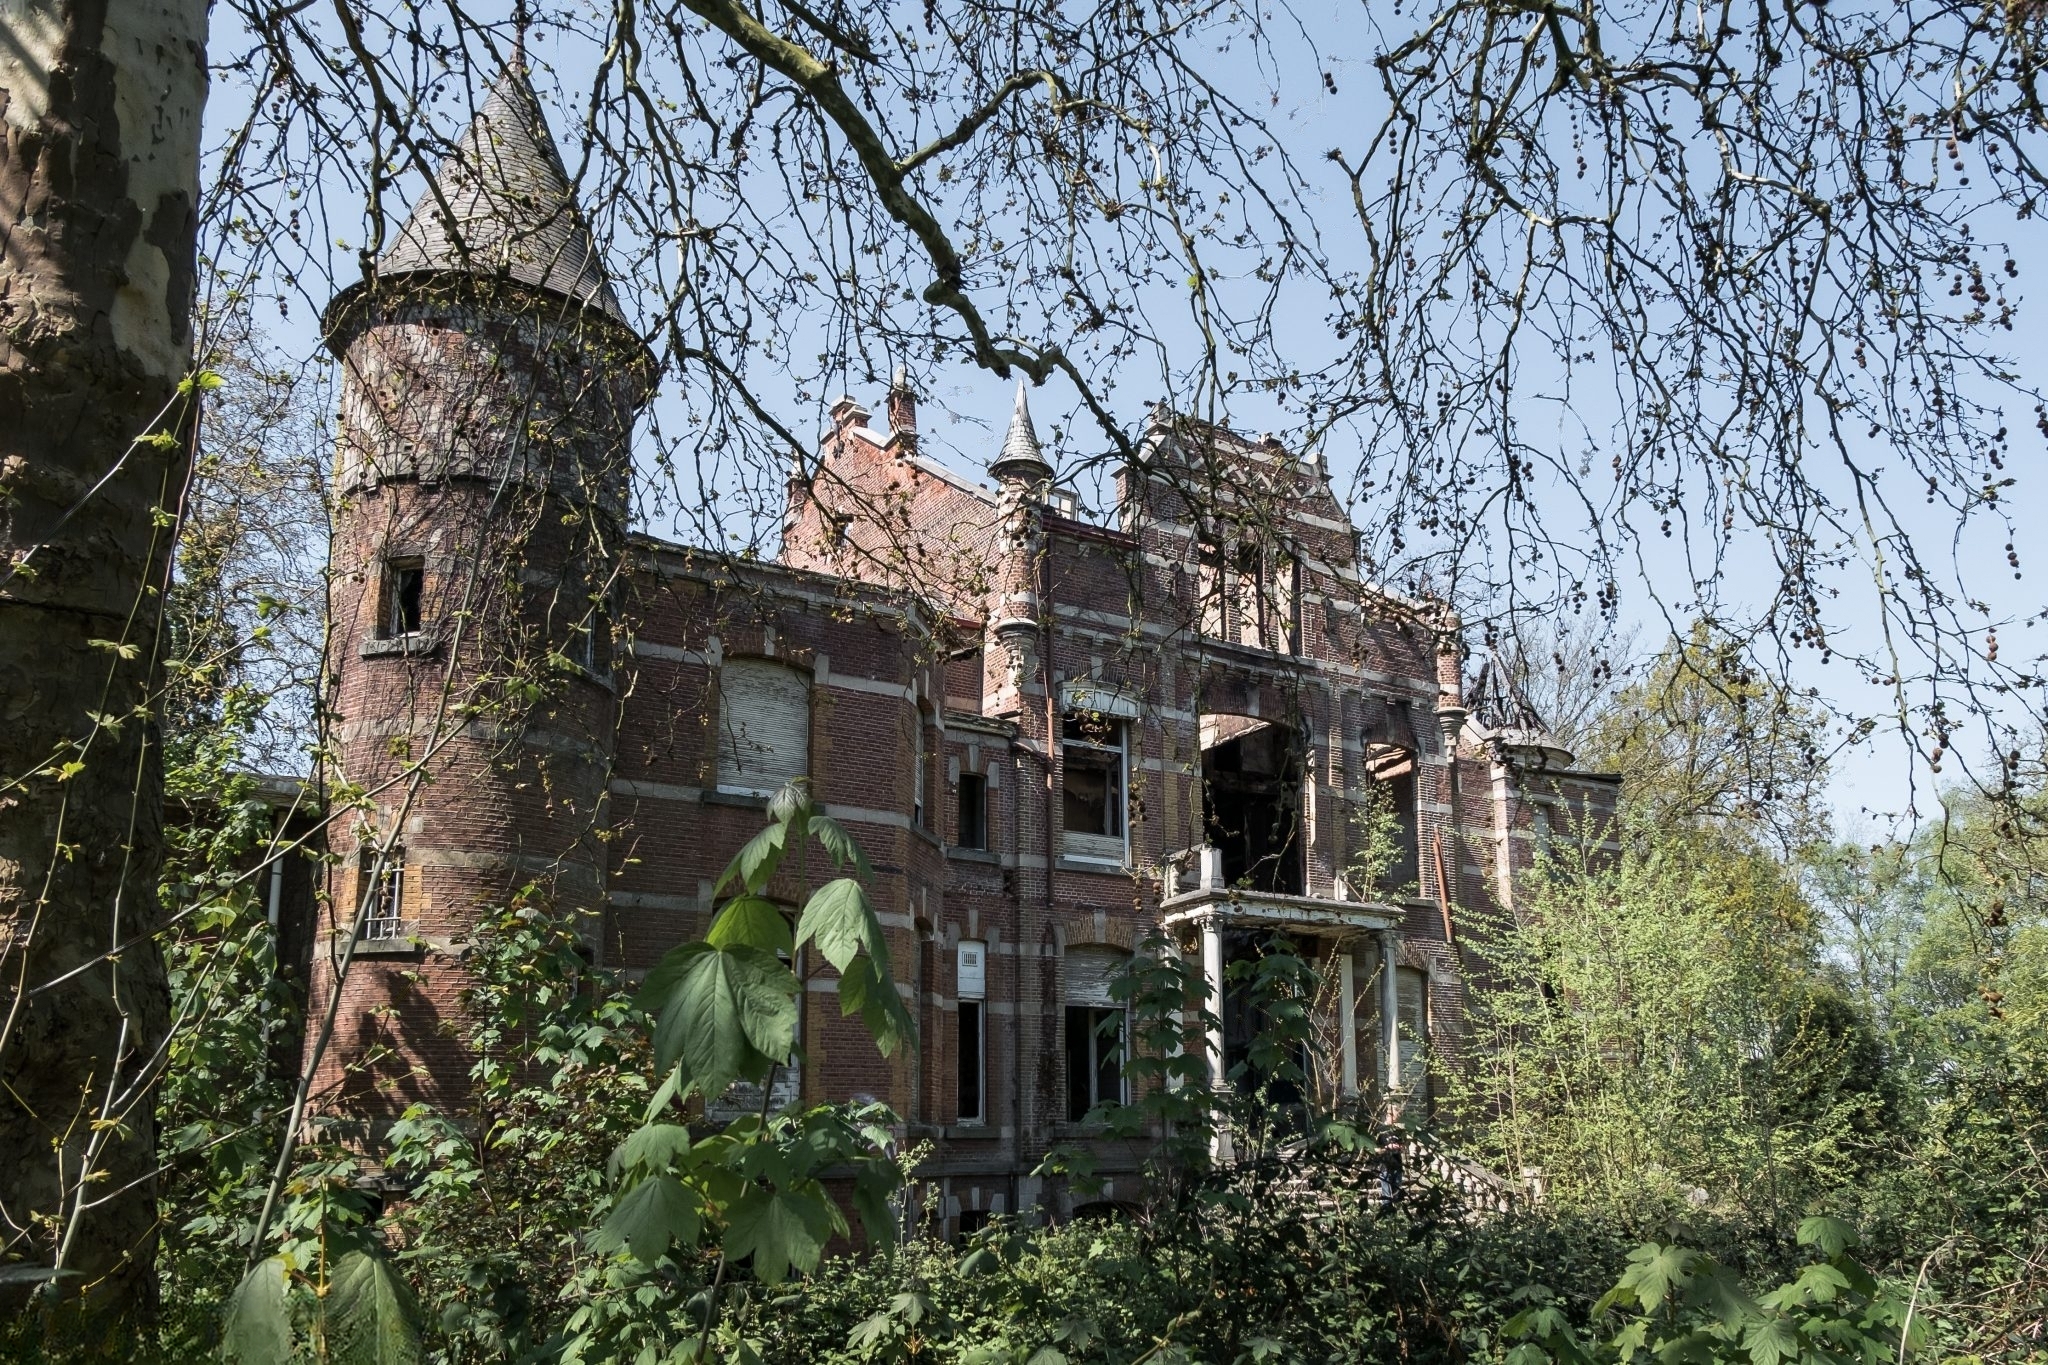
(1020, 456)
(900, 381)
(520, 19)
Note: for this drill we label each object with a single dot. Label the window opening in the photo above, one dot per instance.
(1094, 1029)
(1095, 1044)
(1092, 786)
(405, 582)
(1251, 789)
(918, 763)
(972, 827)
(972, 977)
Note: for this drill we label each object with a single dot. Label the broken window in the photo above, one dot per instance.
(1251, 788)
(972, 972)
(405, 584)
(1094, 1028)
(971, 831)
(1092, 786)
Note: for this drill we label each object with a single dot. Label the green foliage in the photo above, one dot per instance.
(1681, 1305)
(1662, 1034)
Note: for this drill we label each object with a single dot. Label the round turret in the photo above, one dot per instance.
(483, 474)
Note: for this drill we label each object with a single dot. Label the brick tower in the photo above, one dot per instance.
(489, 388)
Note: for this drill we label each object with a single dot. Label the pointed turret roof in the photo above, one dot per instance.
(513, 210)
(1020, 456)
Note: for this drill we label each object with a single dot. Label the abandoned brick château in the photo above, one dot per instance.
(1052, 737)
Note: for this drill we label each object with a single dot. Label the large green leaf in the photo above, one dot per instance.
(842, 920)
(651, 1147)
(258, 1330)
(725, 1012)
(648, 1217)
(867, 991)
(755, 864)
(779, 1228)
(841, 846)
(369, 1313)
(752, 922)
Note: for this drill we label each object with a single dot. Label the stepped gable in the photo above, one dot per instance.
(513, 210)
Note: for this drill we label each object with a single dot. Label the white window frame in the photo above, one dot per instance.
(1083, 846)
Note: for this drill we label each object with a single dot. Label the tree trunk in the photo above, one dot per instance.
(99, 107)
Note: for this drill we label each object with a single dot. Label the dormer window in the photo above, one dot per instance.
(405, 585)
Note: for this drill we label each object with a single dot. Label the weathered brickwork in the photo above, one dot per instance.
(1174, 721)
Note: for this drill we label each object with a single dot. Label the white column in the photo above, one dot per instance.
(1390, 1023)
(1212, 973)
(1347, 1019)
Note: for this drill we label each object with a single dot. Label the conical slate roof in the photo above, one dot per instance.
(513, 211)
(1020, 455)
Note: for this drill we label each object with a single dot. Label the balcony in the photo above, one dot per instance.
(1196, 893)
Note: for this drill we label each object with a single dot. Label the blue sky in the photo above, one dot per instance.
(964, 410)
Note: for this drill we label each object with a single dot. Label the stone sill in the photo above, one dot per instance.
(743, 800)
(405, 945)
(973, 855)
(418, 644)
(1067, 862)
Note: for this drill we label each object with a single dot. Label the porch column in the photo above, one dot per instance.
(1390, 1024)
(1212, 975)
(1347, 1020)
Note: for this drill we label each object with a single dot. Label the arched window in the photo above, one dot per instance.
(764, 726)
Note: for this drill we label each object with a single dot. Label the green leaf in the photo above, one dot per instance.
(658, 1211)
(755, 864)
(258, 1330)
(842, 920)
(1832, 1235)
(652, 1147)
(778, 1228)
(751, 921)
(1654, 1271)
(724, 1012)
(870, 993)
(1821, 1283)
(840, 845)
(369, 1312)
(1771, 1340)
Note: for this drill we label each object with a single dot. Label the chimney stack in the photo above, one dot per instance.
(902, 410)
(847, 414)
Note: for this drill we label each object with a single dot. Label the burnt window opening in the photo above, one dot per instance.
(1095, 1045)
(971, 830)
(1391, 769)
(1251, 797)
(405, 586)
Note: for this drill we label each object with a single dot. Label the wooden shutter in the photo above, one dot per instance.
(764, 725)
(1090, 971)
(972, 967)
(1411, 1008)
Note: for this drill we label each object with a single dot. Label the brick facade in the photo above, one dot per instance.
(1234, 689)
